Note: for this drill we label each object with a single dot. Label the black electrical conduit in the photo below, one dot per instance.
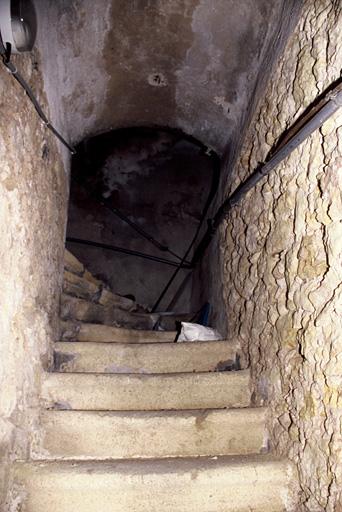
(6, 55)
(211, 195)
(106, 204)
(184, 264)
(131, 252)
(320, 111)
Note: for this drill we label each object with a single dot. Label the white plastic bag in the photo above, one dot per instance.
(197, 332)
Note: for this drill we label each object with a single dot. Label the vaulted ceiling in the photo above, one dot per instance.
(188, 64)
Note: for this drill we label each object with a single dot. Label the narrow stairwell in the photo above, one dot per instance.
(132, 421)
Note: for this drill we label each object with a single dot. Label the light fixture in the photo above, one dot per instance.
(18, 24)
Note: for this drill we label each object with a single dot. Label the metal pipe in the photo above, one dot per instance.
(127, 251)
(317, 115)
(106, 204)
(179, 292)
(334, 102)
(133, 225)
(6, 54)
(211, 195)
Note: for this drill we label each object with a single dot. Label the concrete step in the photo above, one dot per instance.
(257, 483)
(145, 358)
(110, 392)
(81, 331)
(128, 435)
(74, 308)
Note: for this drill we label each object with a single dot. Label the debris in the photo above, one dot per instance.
(197, 332)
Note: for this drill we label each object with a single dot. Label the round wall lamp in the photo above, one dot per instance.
(18, 24)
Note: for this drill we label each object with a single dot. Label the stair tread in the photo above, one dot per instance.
(94, 391)
(72, 264)
(184, 413)
(80, 283)
(222, 484)
(145, 358)
(141, 434)
(159, 344)
(92, 332)
(75, 308)
(167, 465)
(78, 286)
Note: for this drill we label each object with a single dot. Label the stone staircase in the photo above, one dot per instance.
(133, 422)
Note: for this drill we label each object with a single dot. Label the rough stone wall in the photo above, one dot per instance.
(33, 193)
(281, 263)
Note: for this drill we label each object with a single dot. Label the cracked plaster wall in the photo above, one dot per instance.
(33, 194)
(280, 259)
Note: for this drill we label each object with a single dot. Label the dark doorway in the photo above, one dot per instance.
(159, 179)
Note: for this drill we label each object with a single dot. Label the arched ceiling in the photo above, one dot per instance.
(188, 64)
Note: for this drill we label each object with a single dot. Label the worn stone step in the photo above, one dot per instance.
(128, 435)
(145, 358)
(77, 286)
(74, 308)
(228, 484)
(81, 283)
(95, 391)
(72, 264)
(108, 298)
(82, 287)
(81, 331)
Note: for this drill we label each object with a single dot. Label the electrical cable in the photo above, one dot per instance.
(130, 252)
(324, 107)
(5, 53)
(106, 204)
(211, 195)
